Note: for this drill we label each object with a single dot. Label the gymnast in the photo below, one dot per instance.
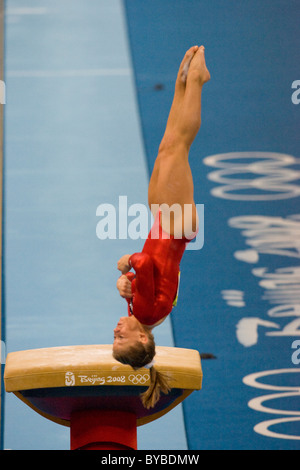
(151, 290)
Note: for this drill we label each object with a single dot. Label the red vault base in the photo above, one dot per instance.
(103, 430)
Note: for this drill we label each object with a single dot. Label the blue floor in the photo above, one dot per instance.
(89, 87)
(249, 278)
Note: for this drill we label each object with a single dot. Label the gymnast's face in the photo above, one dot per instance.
(127, 332)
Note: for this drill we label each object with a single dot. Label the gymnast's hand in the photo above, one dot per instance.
(123, 264)
(124, 287)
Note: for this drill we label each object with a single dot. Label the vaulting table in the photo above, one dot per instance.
(85, 388)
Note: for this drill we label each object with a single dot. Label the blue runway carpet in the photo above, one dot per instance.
(239, 296)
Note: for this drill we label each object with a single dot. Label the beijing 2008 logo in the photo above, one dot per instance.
(69, 379)
(138, 379)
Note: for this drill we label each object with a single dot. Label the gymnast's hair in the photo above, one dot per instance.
(139, 356)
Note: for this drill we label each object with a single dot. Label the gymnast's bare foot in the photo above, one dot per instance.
(185, 64)
(197, 66)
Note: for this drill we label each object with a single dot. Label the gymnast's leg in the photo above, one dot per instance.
(171, 181)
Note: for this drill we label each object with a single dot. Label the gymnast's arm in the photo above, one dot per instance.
(124, 265)
(124, 286)
(143, 286)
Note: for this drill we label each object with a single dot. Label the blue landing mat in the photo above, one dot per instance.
(239, 295)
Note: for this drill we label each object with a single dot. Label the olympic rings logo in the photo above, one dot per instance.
(285, 392)
(138, 379)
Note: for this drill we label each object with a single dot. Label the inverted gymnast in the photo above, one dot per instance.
(151, 291)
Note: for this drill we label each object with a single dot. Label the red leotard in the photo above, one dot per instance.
(155, 282)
